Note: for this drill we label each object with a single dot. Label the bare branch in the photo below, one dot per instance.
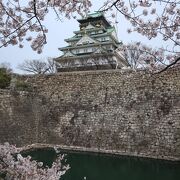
(38, 66)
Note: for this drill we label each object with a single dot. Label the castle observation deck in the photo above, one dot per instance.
(94, 46)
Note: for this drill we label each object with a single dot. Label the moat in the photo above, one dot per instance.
(103, 167)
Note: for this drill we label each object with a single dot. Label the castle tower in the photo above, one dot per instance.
(92, 47)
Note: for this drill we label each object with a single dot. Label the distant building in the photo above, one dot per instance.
(93, 47)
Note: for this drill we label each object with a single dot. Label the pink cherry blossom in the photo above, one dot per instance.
(18, 19)
(140, 56)
(14, 166)
(158, 19)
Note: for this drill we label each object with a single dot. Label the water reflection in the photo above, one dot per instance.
(101, 167)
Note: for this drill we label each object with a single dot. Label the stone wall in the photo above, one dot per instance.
(108, 111)
(19, 117)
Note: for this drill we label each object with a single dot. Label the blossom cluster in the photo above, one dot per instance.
(145, 57)
(21, 21)
(150, 18)
(16, 167)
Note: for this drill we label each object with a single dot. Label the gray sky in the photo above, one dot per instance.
(58, 31)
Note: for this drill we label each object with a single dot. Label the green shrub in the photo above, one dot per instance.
(5, 78)
(22, 86)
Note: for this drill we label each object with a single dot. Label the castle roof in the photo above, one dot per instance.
(94, 17)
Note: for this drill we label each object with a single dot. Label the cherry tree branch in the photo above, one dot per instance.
(7, 42)
(169, 66)
(16, 16)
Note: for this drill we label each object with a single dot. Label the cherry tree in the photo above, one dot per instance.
(152, 19)
(14, 166)
(141, 56)
(23, 20)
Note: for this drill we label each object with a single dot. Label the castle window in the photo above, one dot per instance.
(86, 42)
(93, 49)
(79, 35)
(103, 39)
(86, 50)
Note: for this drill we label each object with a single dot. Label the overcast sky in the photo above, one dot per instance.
(58, 31)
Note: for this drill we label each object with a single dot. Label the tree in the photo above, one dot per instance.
(152, 18)
(18, 20)
(5, 76)
(38, 66)
(14, 166)
(164, 21)
(140, 56)
(6, 66)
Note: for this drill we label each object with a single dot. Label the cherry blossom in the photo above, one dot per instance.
(18, 19)
(141, 56)
(164, 21)
(16, 167)
(152, 19)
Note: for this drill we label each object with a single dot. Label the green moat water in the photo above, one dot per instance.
(102, 167)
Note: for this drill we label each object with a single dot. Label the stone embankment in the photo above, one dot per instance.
(119, 112)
